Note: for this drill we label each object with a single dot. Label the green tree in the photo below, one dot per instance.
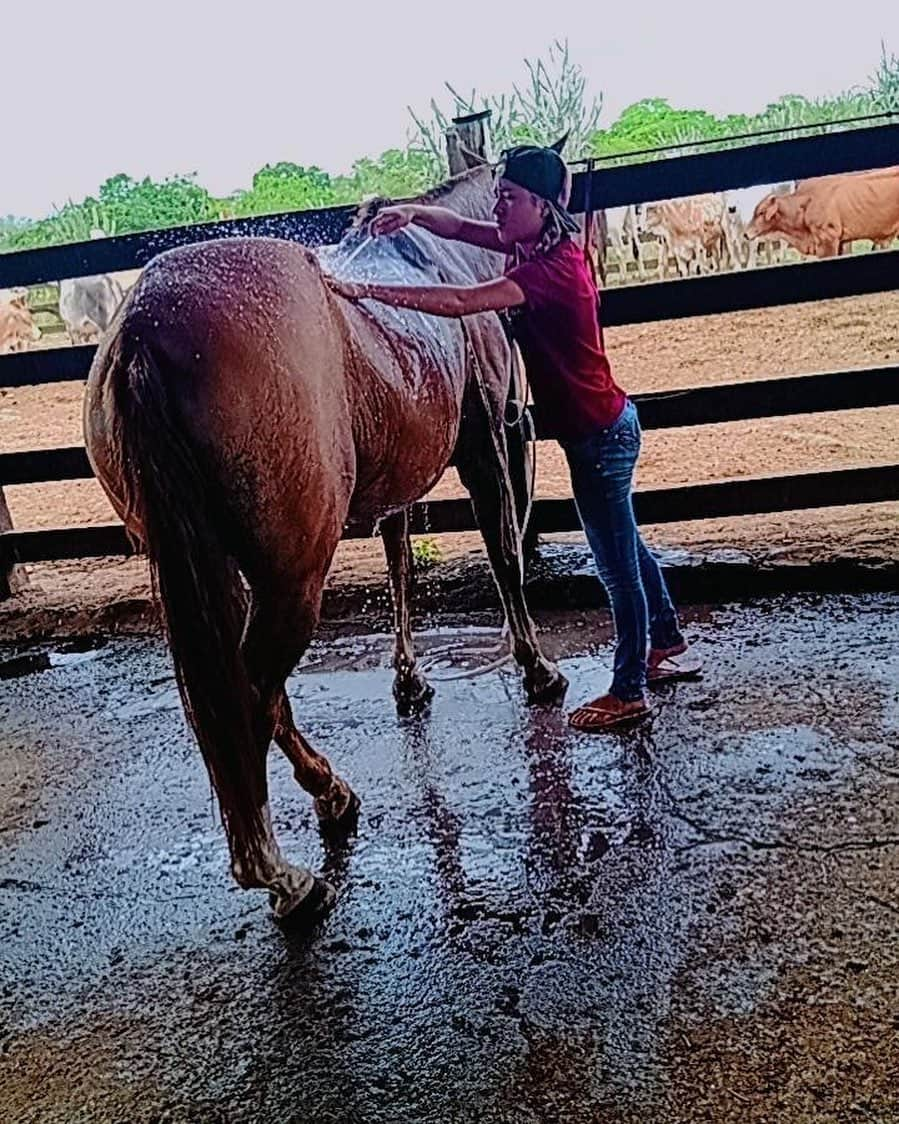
(395, 174)
(285, 187)
(651, 123)
(128, 205)
(553, 102)
(123, 206)
(884, 83)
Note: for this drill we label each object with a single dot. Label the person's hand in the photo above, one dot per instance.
(349, 290)
(391, 219)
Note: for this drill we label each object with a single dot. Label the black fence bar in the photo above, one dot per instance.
(131, 251)
(853, 150)
(760, 495)
(773, 286)
(770, 162)
(768, 398)
(39, 466)
(56, 364)
(746, 496)
(706, 405)
(61, 543)
(749, 496)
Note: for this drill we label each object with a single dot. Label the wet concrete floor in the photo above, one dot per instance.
(692, 921)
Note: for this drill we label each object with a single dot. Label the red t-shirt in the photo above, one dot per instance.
(558, 332)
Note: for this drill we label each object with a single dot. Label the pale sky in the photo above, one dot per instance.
(98, 87)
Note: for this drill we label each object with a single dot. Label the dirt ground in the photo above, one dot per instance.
(852, 333)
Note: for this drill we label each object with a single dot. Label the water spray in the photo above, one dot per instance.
(364, 244)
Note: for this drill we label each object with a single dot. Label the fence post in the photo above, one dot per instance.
(12, 577)
(469, 137)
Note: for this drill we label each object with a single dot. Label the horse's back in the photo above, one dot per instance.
(243, 335)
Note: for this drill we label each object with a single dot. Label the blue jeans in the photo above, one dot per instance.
(602, 471)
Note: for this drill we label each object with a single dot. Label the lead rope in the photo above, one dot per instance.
(524, 422)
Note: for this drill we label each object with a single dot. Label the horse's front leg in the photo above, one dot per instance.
(410, 688)
(482, 464)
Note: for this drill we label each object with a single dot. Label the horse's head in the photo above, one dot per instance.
(470, 193)
(412, 255)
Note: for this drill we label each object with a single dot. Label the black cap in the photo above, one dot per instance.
(541, 171)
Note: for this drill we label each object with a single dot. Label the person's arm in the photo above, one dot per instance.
(440, 221)
(436, 300)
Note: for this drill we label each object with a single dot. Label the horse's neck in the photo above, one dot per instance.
(472, 197)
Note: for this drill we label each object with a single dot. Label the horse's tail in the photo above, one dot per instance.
(179, 507)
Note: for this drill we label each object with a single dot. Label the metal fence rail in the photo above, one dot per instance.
(746, 496)
(636, 304)
(706, 405)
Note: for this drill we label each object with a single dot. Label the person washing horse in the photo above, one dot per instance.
(551, 297)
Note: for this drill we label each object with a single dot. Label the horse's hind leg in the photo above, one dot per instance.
(336, 805)
(484, 474)
(279, 630)
(410, 689)
(257, 862)
(294, 891)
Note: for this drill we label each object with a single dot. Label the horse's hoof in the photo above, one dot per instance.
(412, 695)
(344, 823)
(546, 687)
(309, 910)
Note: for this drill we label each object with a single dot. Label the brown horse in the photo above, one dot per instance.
(239, 415)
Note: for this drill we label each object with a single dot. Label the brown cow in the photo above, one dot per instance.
(830, 212)
(17, 326)
(868, 173)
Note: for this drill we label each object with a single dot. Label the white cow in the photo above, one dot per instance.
(623, 239)
(87, 306)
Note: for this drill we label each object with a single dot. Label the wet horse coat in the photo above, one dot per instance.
(239, 415)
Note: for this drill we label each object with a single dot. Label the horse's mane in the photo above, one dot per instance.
(370, 207)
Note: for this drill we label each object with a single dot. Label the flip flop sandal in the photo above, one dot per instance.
(671, 669)
(596, 719)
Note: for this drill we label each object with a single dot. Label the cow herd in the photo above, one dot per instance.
(86, 308)
(819, 217)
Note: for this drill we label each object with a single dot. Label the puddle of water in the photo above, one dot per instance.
(375, 650)
(72, 659)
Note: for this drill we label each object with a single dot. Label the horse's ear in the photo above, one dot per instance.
(461, 157)
(559, 145)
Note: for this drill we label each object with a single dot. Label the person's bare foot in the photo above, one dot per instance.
(607, 712)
